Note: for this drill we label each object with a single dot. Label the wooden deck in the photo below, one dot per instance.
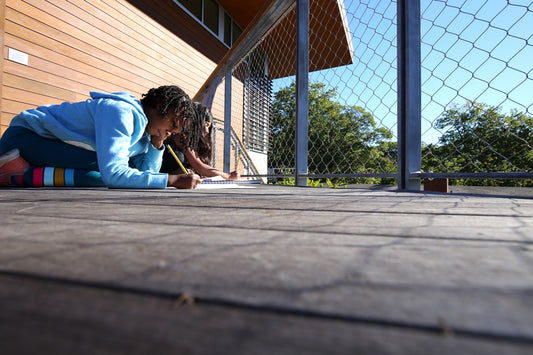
(264, 270)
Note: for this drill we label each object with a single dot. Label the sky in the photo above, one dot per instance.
(472, 50)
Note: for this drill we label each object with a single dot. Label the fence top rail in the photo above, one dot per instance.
(486, 175)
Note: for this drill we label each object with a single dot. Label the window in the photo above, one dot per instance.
(194, 7)
(235, 32)
(232, 31)
(257, 103)
(210, 14)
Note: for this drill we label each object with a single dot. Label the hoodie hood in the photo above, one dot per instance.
(121, 96)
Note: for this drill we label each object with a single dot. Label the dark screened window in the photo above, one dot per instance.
(211, 15)
(227, 29)
(235, 32)
(194, 6)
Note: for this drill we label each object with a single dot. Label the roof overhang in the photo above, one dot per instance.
(330, 43)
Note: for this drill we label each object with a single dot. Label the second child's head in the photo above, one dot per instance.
(172, 103)
(205, 144)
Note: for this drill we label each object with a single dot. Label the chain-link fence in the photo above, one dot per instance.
(476, 92)
(477, 82)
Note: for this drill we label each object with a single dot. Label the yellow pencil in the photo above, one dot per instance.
(177, 159)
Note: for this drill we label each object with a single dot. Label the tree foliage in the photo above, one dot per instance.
(480, 138)
(341, 139)
(345, 139)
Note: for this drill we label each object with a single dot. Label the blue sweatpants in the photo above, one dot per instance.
(80, 166)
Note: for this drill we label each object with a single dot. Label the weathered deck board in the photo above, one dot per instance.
(272, 270)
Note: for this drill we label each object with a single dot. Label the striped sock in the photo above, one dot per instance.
(59, 177)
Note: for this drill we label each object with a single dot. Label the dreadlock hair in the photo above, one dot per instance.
(172, 99)
(205, 144)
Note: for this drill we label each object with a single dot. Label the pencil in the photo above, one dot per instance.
(177, 159)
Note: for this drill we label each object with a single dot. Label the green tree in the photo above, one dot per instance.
(480, 138)
(341, 139)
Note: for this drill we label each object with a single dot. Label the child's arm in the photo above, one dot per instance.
(206, 170)
(115, 130)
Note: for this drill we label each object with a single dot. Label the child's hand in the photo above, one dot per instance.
(184, 181)
(234, 175)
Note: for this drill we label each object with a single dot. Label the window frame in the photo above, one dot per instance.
(221, 22)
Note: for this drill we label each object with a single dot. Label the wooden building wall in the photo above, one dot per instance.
(77, 46)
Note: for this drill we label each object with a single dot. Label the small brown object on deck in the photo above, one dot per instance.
(437, 185)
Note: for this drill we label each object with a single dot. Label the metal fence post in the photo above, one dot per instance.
(227, 121)
(409, 94)
(302, 98)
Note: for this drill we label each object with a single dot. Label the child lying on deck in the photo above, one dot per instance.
(199, 160)
(111, 140)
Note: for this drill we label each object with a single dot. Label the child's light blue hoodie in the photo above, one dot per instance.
(113, 125)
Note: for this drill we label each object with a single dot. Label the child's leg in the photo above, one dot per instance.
(56, 177)
(40, 151)
(78, 166)
(15, 171)
(49, 176)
